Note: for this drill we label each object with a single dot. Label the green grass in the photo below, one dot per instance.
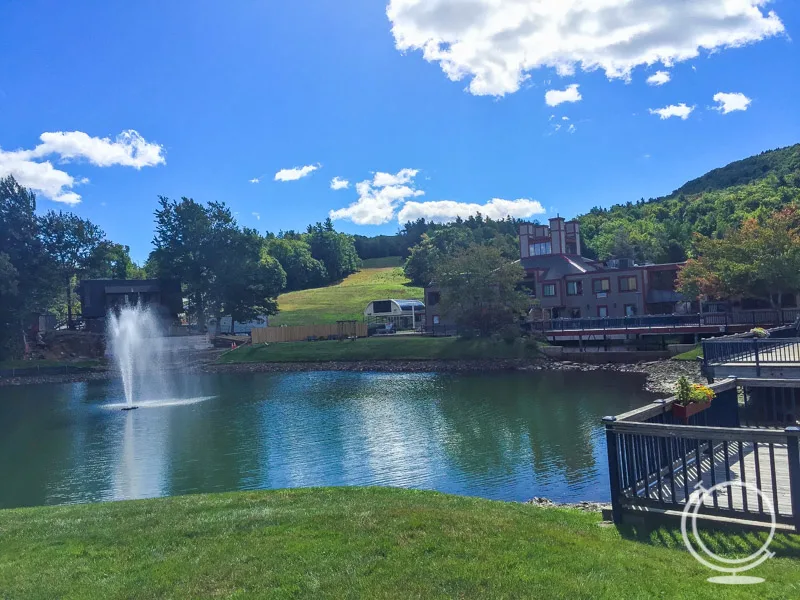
(34, 364)
(345, 300)
(379, 263)
(390, 347)
(357, 543)
(693, 354)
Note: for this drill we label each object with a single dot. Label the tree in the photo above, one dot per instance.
(479, 289)
(759, 260)
(334, 250)
(302, 270)
(27, 278)
(247, 280)
(74, 244)
(223, 269)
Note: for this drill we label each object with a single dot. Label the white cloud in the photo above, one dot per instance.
(556, 97)
(730, 102)
(659, 78)
(337, 183)
(403, 176)
(295, 173)
(497, 43)
(257, 216)
(379, 198)
(255, 180)
(128, 149)
(572, 128)
(447, 210)
(673, 110)
(565, 118)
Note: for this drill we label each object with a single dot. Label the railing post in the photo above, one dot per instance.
(758, 364)
(613, 470)
(793, 449)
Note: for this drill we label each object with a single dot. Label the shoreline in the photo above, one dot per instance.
(661, 374)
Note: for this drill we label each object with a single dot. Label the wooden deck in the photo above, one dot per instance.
(747, 469)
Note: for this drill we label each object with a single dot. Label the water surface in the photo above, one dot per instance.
(499, 436)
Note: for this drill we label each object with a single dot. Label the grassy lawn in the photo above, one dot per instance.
(357, 543)
(345, 300)
(34, 364)
(393, 347)
(693, 354)
(379, 263)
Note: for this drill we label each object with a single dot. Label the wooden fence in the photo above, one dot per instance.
(304, 332)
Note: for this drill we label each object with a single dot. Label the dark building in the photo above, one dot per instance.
(99, 296)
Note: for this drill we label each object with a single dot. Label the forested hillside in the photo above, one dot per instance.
(661, 229)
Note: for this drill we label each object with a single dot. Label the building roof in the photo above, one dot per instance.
(409, 304)
(556, 266)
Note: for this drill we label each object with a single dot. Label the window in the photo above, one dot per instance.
(380, 307)
(600, 286)
(549, 289)
(433, 298)
(628, 284)
(630, 310)
(602, 311)
(575, 313)
(540, 248)
(435, 319)
(574, 288)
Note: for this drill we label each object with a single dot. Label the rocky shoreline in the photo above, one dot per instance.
(661, 375)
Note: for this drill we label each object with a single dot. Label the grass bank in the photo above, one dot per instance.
(693, 354)
(391, 347)
(34, 365)
(355, 543)
(345, 300)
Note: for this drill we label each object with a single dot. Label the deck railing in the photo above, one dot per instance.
(763, 318)
(755, 351)
(657, 463)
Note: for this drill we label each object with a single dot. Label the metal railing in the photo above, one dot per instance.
(656, 462)
(764, 318)
(758, 352)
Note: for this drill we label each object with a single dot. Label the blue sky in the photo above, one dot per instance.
(432, 107)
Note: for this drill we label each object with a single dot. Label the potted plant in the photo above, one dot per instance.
(759, 332)
(690, 399)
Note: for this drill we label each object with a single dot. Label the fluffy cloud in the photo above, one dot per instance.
(257, 216)
(254, 180)
(129, 149)
(337, 183)
(443, 211)
(556, 97)
(496, 44)
(673, 110)
(658, 78)
(730, 102)
(295, 173)
(379, 198)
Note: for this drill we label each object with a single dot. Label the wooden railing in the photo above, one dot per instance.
(655, 462)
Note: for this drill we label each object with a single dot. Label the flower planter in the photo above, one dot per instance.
(684, 412)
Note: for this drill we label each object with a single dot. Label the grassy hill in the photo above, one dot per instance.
(346, 299)
(359, 543)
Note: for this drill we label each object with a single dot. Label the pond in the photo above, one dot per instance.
(499, 436)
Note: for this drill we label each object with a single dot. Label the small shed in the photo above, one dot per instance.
(401, 314)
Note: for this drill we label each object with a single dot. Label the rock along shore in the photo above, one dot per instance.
(661, 375)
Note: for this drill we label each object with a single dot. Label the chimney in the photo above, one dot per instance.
(558, 235)
(574, 237)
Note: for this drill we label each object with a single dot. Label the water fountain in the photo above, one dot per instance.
(137, 345)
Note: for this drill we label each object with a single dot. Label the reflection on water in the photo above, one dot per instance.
(503, 436)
